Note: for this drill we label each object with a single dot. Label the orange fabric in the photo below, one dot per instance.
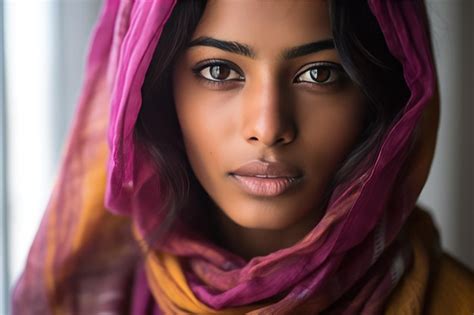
(436, 284)
(452, 291)
(168, 284)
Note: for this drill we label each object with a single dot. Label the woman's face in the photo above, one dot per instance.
(266, 111)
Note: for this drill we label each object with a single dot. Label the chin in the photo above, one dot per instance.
(264, 216)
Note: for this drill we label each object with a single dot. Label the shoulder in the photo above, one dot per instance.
(451, 290)
(436, 283)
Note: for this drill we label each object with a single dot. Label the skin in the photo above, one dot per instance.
(262, 112)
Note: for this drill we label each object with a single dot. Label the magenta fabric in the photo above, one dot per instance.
(139, 27)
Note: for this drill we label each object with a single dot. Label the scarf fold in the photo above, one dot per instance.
(84, 257)
(174, 295)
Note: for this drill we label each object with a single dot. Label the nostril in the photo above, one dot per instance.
(279, 141)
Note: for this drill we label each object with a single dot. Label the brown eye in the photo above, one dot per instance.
(321, 74)
(219, 72)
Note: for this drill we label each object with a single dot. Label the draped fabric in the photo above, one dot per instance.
(87, 257)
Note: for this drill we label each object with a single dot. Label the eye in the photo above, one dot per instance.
(217, 71)
(325, 73)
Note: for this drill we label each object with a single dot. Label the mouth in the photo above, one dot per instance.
(266, 179)
(265, 186)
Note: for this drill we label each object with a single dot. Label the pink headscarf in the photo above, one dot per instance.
(360, 221)
(354, 243)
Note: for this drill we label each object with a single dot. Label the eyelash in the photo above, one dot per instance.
(336, 70)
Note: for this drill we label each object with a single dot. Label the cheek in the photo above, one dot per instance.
(203, 129)
(332, 127)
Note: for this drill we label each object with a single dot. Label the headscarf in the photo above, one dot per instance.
(88, 258)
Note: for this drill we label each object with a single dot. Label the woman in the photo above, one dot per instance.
(265, 158)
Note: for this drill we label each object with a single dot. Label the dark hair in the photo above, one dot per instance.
(364, 56)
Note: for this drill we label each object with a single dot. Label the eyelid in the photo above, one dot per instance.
(320, 63)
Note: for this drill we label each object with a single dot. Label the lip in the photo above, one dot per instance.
(266, 179)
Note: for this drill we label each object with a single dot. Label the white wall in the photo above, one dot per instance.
(449, 192)
(30, 68)
(45, 49)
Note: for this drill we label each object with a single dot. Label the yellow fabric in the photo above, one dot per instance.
(434, 285)
(452, 291)
(171, 291)
(171, 281)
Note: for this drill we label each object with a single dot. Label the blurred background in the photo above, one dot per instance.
(43, 44)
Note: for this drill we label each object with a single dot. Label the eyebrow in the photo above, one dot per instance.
(245, 50)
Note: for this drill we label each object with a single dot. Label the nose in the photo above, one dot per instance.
(268, 118)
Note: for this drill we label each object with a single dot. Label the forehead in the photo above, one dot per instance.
(266, 24)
